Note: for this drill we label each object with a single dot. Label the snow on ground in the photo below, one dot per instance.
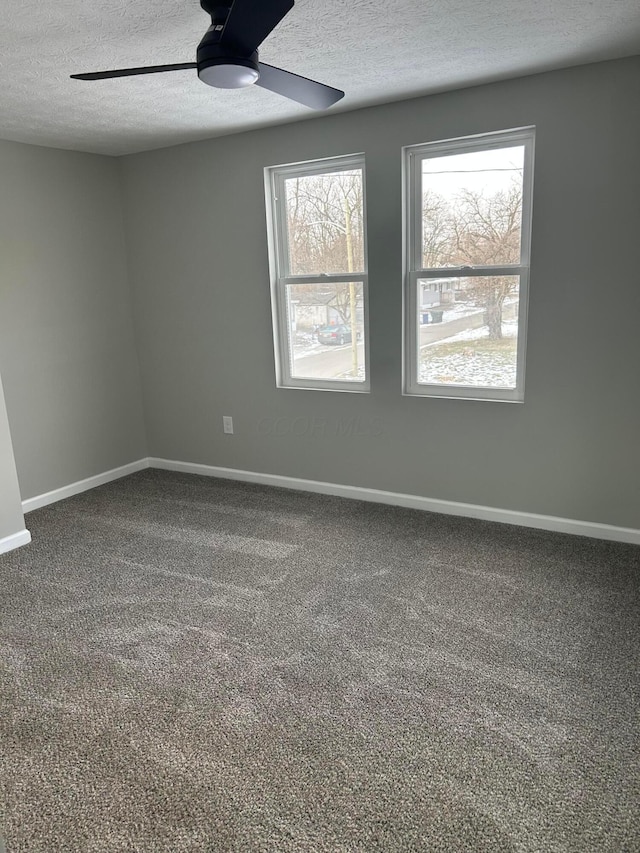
(478, 370)
(349, 377)
(455, 310)
(509, 330)
(474, 365)
(452, 312)
(306, 343)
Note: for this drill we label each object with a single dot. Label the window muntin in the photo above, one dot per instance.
(318, 266)
(468, 217)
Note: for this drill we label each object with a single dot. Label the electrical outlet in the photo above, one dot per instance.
(227, 424)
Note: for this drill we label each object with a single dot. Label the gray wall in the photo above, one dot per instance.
(67, 353)
(11, 518)
(195, 218)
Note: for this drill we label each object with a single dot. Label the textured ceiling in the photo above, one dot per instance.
(376, 50)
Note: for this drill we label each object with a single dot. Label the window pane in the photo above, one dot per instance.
(472, 208)
(325, 327)
(325, 223)
(468, 331)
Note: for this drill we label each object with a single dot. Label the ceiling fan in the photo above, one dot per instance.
(227, 56)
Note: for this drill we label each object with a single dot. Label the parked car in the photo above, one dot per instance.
(334, 335)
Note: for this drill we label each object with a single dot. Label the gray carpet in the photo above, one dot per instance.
(190, 664)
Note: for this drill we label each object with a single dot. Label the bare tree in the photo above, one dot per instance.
(438, 243)
(488, 233)
(325, 226)
(475, 229)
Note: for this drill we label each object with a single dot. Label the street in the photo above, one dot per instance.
(329, 363)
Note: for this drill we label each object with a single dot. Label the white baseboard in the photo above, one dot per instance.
(83, 485)
(16, 540)
(486, 513)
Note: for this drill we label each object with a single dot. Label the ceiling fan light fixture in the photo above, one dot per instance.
(229, 75)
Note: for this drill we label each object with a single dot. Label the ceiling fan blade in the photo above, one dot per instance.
(130, 72)
(250, 21)
(296, 88)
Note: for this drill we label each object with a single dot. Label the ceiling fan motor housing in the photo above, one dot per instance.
(222, 66)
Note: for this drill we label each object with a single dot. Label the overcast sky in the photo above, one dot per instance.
(488, 171)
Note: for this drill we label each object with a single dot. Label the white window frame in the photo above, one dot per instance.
(413, 270)
(275, 177)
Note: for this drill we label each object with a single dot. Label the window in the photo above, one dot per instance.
(318, 257)
(468, 221)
